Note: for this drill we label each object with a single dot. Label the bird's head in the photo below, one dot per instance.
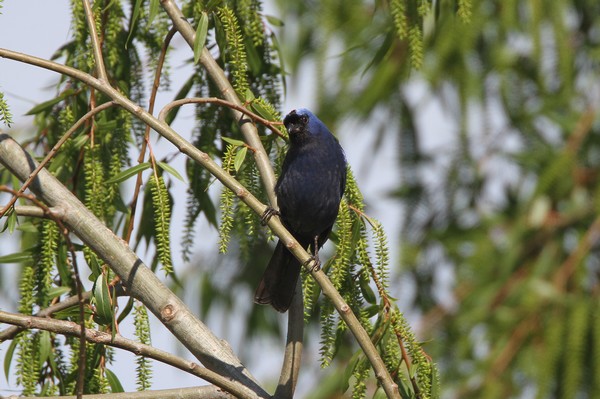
(302, 124)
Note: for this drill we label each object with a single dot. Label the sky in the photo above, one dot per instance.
(39, 27)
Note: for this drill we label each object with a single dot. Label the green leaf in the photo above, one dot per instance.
(367, 291)
(11, 221)
(58, 291)
(261, 110)
(274, 20)
(113, 381)
(237, 143)
(127, 173)
(8, 357)
(239, 158)
(154, 7)
(249, 96)
(200, 38)
(168, 168)
(79, 141)
(45, 347)
(125, 311)
(182, 93)
(102, 300)
(50, 103)
(135, 14)
(27, 227)
(17, 257)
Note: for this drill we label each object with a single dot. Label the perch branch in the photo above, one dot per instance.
(118, 341)
(219, 78)
(363, 339)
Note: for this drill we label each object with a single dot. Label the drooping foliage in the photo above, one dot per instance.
(98, 164)
(499, 192)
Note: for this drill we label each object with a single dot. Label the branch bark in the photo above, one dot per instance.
(144, 284)
(204, 392)
(73, 329)
(137, 277)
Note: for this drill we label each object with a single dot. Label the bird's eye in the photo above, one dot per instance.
(304, 119)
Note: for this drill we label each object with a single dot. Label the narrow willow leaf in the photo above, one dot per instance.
(11, 222)
(135, 14)
(367, 291)
(125, 312)
(261, 110)
(274, 20)
(103, 314)
(58, 291)
(234, 142)
(154, 6)
(239, 158)
(127, 173)
(8, 355)
(113, 381)
(168, 168)
(17, 257)
(50, 103)
(200, 39)
(45, 347)
(182, 93)
(249, 96)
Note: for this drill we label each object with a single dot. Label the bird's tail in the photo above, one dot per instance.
(278, 283)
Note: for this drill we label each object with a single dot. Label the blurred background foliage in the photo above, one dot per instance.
(500, 224)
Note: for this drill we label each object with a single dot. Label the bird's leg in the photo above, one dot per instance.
(268, 214)
(315, 256)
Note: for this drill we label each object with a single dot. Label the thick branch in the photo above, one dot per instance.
(133, 265)
(220, 80)
(293, 348)
(139, 279)
(204, 392)
(74, 330)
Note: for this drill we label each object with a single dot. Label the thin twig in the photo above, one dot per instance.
(363, 339)
(54, 150)
(217, 75)
(155, 86)
(271, 125)
(96, 47)
(69, 328)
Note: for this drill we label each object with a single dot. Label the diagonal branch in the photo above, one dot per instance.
(202, 392)
(143, 283)
(74, 330)
(140, 281)
(96, 46)
(222, 82)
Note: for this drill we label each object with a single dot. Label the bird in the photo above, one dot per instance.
(309, 191)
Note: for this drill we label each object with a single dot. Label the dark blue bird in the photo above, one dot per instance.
(309, 190)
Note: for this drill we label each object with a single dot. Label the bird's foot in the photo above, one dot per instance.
(315, 257)
(268, 214)
(317, 263)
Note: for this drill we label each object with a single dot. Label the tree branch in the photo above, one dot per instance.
(213, 100)
(96, 46)
(139, 279)
(11, 332)
(203, 392)
(53, 151)
(118, 341)
(220, 80)
(292, 358)
(143, 286)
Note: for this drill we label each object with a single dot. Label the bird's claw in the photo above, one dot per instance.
(317, 263)
(268, 214)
